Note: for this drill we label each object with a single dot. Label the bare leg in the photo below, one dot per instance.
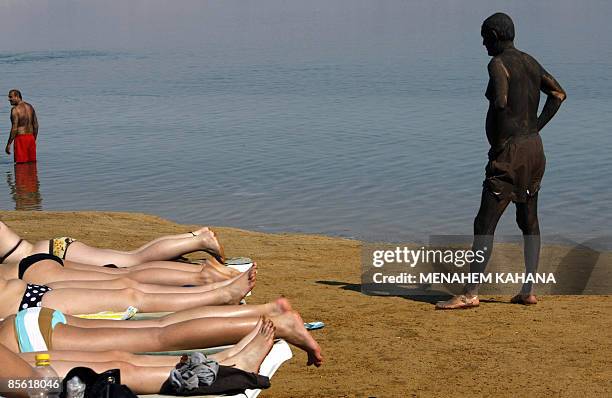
(146, 374)
(209, 265)
(491, 209)
(106, 356)
(275, 308)
(123, 283)
(221, 268)
(140, 360)
(196, 333)
(254, 352)
(236, 348)
(140, 379)
(79, 301)
(48, 271)
(167, 237)
(527, 220)
(164, 249)
(211, 268)
(171, 265)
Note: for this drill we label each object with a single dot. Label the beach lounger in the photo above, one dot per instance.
(278, 355)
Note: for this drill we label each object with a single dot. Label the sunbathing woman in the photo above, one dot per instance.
(144, 374)
(14, 249)
(43, 269)
(41, 329)
(16, 294)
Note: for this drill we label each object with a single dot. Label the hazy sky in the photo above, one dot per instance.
(347, 26)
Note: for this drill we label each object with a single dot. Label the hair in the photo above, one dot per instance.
(501, 24)
(16, 92)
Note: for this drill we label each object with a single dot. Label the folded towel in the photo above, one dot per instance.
(116, 316)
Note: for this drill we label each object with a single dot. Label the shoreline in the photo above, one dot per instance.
(385, 346)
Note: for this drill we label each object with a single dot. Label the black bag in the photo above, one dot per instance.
(229, 380)
(103, 385)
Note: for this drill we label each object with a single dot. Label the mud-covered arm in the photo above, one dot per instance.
(555, 96)
(498, 77)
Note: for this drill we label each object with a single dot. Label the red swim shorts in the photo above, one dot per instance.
(25, 148)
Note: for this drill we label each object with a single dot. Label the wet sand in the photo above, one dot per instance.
(387, 346)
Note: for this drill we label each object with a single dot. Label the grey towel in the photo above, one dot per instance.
(193, 372)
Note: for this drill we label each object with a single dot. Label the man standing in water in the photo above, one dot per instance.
(24, 129)
(516, 158)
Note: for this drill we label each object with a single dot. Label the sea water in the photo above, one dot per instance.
(351, 118)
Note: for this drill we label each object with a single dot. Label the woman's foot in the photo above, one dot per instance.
(290, 327)
(525, 299)
(239, 288)
(236, 348)
(278, 307)
(213, 263)
(252, 355)
(210, 243)
(211, 275)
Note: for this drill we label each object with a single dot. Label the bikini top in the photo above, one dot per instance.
(10, 251)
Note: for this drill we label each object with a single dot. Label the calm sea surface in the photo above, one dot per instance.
(353, 118)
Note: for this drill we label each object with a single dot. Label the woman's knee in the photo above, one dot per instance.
(115, 355)
(132, 296)
(126, 282)
(125, 367)
(161, 338)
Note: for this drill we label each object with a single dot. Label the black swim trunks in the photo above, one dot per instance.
(515, 172)
(33, 296)
(27, 262)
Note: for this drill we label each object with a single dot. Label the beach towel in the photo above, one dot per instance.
(115, 316)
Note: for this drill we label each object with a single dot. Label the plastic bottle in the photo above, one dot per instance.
(46, 383)
(75, 388)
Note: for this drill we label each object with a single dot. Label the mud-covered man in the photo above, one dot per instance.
(24, 129)
(516, 158)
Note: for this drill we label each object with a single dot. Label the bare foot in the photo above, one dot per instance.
(290, 327)
(222, 268)
(279, 306)
(461, 301)
(210, 243)
(241, 286)
(252, 355)
(212, 275)
(236, 348)
(525, 299)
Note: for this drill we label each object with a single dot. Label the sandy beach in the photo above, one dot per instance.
(386, 346)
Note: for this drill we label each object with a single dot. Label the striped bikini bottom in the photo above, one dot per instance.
(34, 328)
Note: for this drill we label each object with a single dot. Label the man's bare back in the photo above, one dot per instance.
(25, 118)
(24, 129)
